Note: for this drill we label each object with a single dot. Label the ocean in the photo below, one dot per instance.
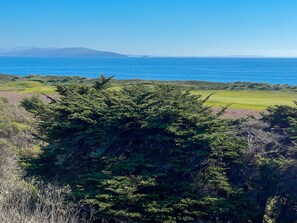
(268, 70)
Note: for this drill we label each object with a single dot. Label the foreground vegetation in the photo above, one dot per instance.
(25, 199)
(144, 153)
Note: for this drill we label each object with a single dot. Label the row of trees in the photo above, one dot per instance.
(158, 154)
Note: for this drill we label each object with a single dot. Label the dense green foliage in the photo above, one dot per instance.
(237, 86)
(282, 154)
(141, 153)
(259, 86)
(157, 154)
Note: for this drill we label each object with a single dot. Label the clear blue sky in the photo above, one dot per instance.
(154, 27)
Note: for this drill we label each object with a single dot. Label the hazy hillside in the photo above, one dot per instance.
(58, 52)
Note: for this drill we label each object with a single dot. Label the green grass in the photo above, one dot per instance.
(43, 89)
(252, 100)
(28, 87)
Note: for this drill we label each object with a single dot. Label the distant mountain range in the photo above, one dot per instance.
(58, 52)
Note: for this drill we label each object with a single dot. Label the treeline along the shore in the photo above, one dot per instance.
(144, 153)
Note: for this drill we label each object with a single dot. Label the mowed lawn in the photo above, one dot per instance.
(251, 100)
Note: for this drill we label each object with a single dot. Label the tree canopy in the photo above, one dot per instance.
(154, 154)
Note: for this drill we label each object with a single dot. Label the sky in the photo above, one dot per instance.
(154, 27)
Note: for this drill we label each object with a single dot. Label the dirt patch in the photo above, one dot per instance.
(239, 113)
(14, 97)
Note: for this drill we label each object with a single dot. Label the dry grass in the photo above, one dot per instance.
(32, 201)
(28, 201)
(35, 202)
(239, 113)
(9, 169)
(15, 97)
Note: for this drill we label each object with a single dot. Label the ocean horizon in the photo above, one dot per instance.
(265, 70)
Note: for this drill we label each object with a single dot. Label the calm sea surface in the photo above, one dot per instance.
(282, 71)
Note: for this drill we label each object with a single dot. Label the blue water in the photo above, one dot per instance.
(283, 71)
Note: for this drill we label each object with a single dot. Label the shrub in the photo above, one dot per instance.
(27, 201)
(141, 154)
(35, 202)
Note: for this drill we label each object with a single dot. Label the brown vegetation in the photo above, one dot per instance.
(27, 200)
